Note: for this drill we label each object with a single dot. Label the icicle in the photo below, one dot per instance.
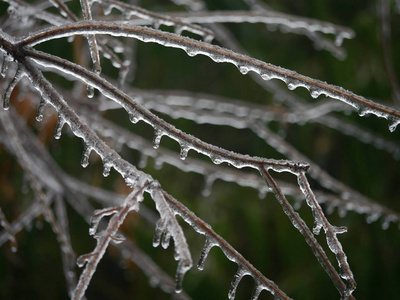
(291, 86)
(178, 29)
(85, 156)
(166, 239)
(90, 91)
(372, 217)
(235, 282)
(262, 192)
(393, 123)
(160, 228)
(257, 291)
(17, 77)
(158, 163)
(339, 40)
(243, 69)
(184, 151)
(210, 179)
(59, 126)
(142, 161)
(156, 24)
(385, 223)
(208, 38)
(40, 109)
(180, 273)
(204, 253)
(157, 138)
(315, 93)
(4, 65)
(317, 227)
(106, 168)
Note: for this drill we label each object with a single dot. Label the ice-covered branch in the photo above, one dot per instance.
(244, 63)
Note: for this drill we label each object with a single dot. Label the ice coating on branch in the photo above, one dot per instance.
(320, 221)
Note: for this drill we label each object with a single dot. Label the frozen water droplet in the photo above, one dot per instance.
(393, 122)
(291, 86)
(191, 52)
(315, 93)
(157, 138)
(184, 152)
(90, 91)
(216, 160)
(266, 76)
(106, 168)
(59, 126)
(243, 69)
(39, 114)
(133, 118)
(363, 111)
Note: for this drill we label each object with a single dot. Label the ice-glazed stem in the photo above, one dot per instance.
(244, 63)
